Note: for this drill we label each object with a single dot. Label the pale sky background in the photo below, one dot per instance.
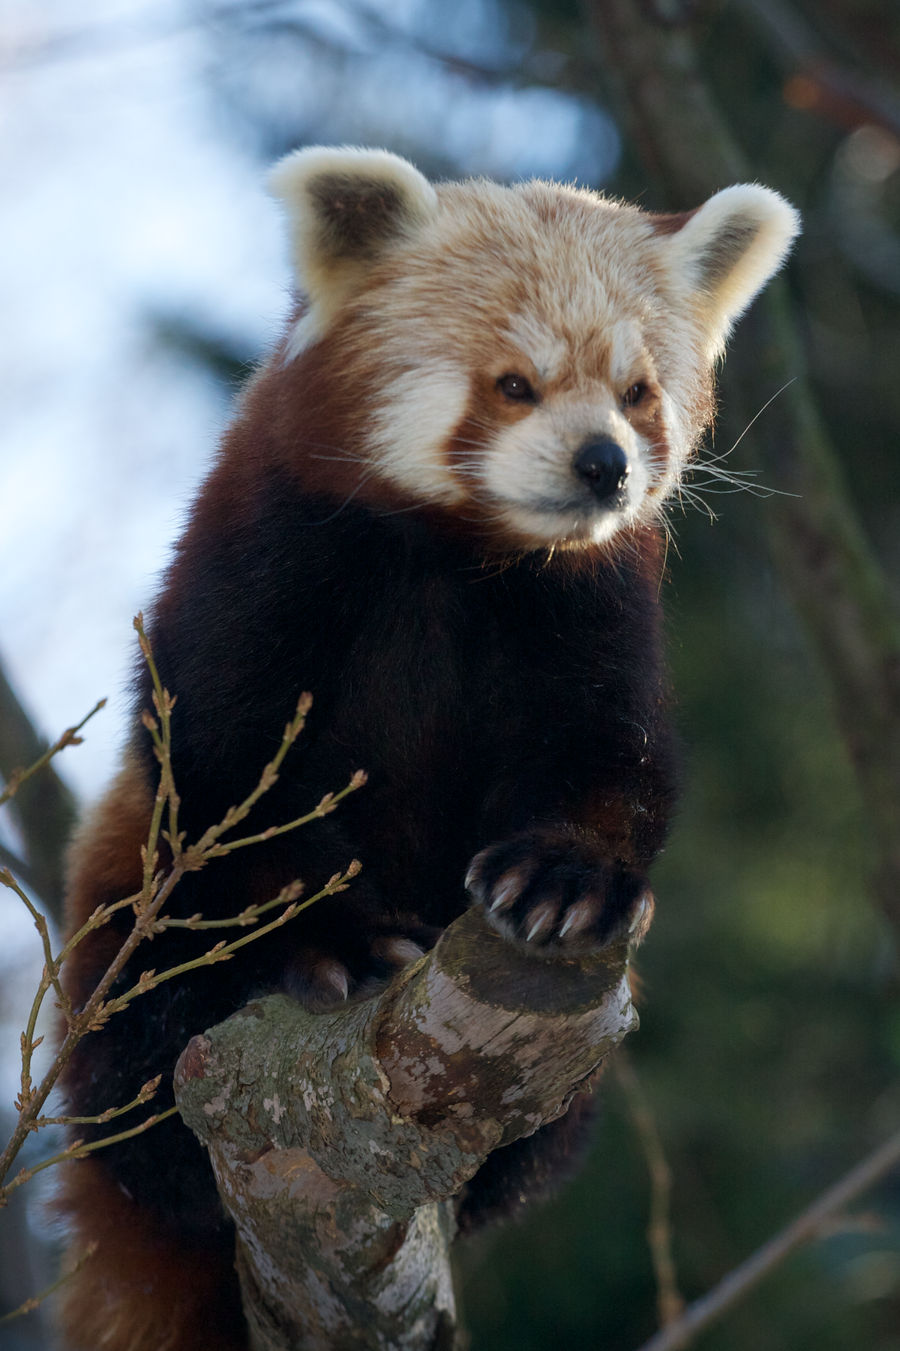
(129, 194)
(133, 195)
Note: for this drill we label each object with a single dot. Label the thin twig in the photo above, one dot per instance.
(243, 920)
(69, 737)
(204, 846)
(80, 1150)
(223, 951)
(322, 808)
(669, 1300)
(148, 905)
(40, 802)
(807, 1226)
(147, 1092)
(50, 974)
(30, 1304)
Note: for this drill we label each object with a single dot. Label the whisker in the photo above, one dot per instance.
(777, 393)
(348, 499)
(340, 459)
(735, 480)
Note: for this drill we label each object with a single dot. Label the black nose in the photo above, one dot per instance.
(603, 465)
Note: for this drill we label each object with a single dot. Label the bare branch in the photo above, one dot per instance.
(807, 1226)
(16, 777)
(670, 1302)
(30, 1304)
(42, 804)
(147, 1092)
(148, 905)
(80, 1150)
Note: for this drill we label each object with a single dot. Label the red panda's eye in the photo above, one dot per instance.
(517, 388)
(634, 394)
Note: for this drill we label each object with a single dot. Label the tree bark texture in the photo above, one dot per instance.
(339, 1139)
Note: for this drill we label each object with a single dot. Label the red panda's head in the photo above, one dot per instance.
(535, 359)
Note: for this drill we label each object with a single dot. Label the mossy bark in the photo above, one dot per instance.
(339, 1139)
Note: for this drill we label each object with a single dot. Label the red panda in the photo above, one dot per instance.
(439, 508)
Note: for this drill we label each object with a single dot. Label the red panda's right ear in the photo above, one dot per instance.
(722, 254)
(346, 207)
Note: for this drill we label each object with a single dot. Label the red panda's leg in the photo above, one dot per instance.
(144, 1289)
(562, 884)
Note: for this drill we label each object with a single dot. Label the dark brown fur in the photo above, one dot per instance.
(505, 705)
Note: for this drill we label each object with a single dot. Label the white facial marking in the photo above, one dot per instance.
(547, 352)
(529, 472)
(305, 332)
(626, 351)
(679, 445)
(583, 291)
(421, 409)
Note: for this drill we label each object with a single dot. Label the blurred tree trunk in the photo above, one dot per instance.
(43, 809)
(649, 61)
(24, 1266)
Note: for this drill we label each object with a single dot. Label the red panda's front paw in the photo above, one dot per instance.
(558, 893)
(321, 981)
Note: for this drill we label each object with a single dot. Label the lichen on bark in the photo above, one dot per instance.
(339, 1139)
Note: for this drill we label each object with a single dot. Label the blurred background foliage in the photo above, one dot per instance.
(769, 1047)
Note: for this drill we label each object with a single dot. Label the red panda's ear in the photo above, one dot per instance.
(346, 207)
(721, 255)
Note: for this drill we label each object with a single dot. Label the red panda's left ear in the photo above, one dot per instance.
(346, 207)
(723, 253)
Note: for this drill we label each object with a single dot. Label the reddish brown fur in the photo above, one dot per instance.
(321, 401)
(105, 865)
(554, 756)
(143, 1287)
(670, 222)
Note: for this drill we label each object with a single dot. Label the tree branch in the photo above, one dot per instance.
(669, 1300)
(44, 806)
(808, 1225)
(338, 1139)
